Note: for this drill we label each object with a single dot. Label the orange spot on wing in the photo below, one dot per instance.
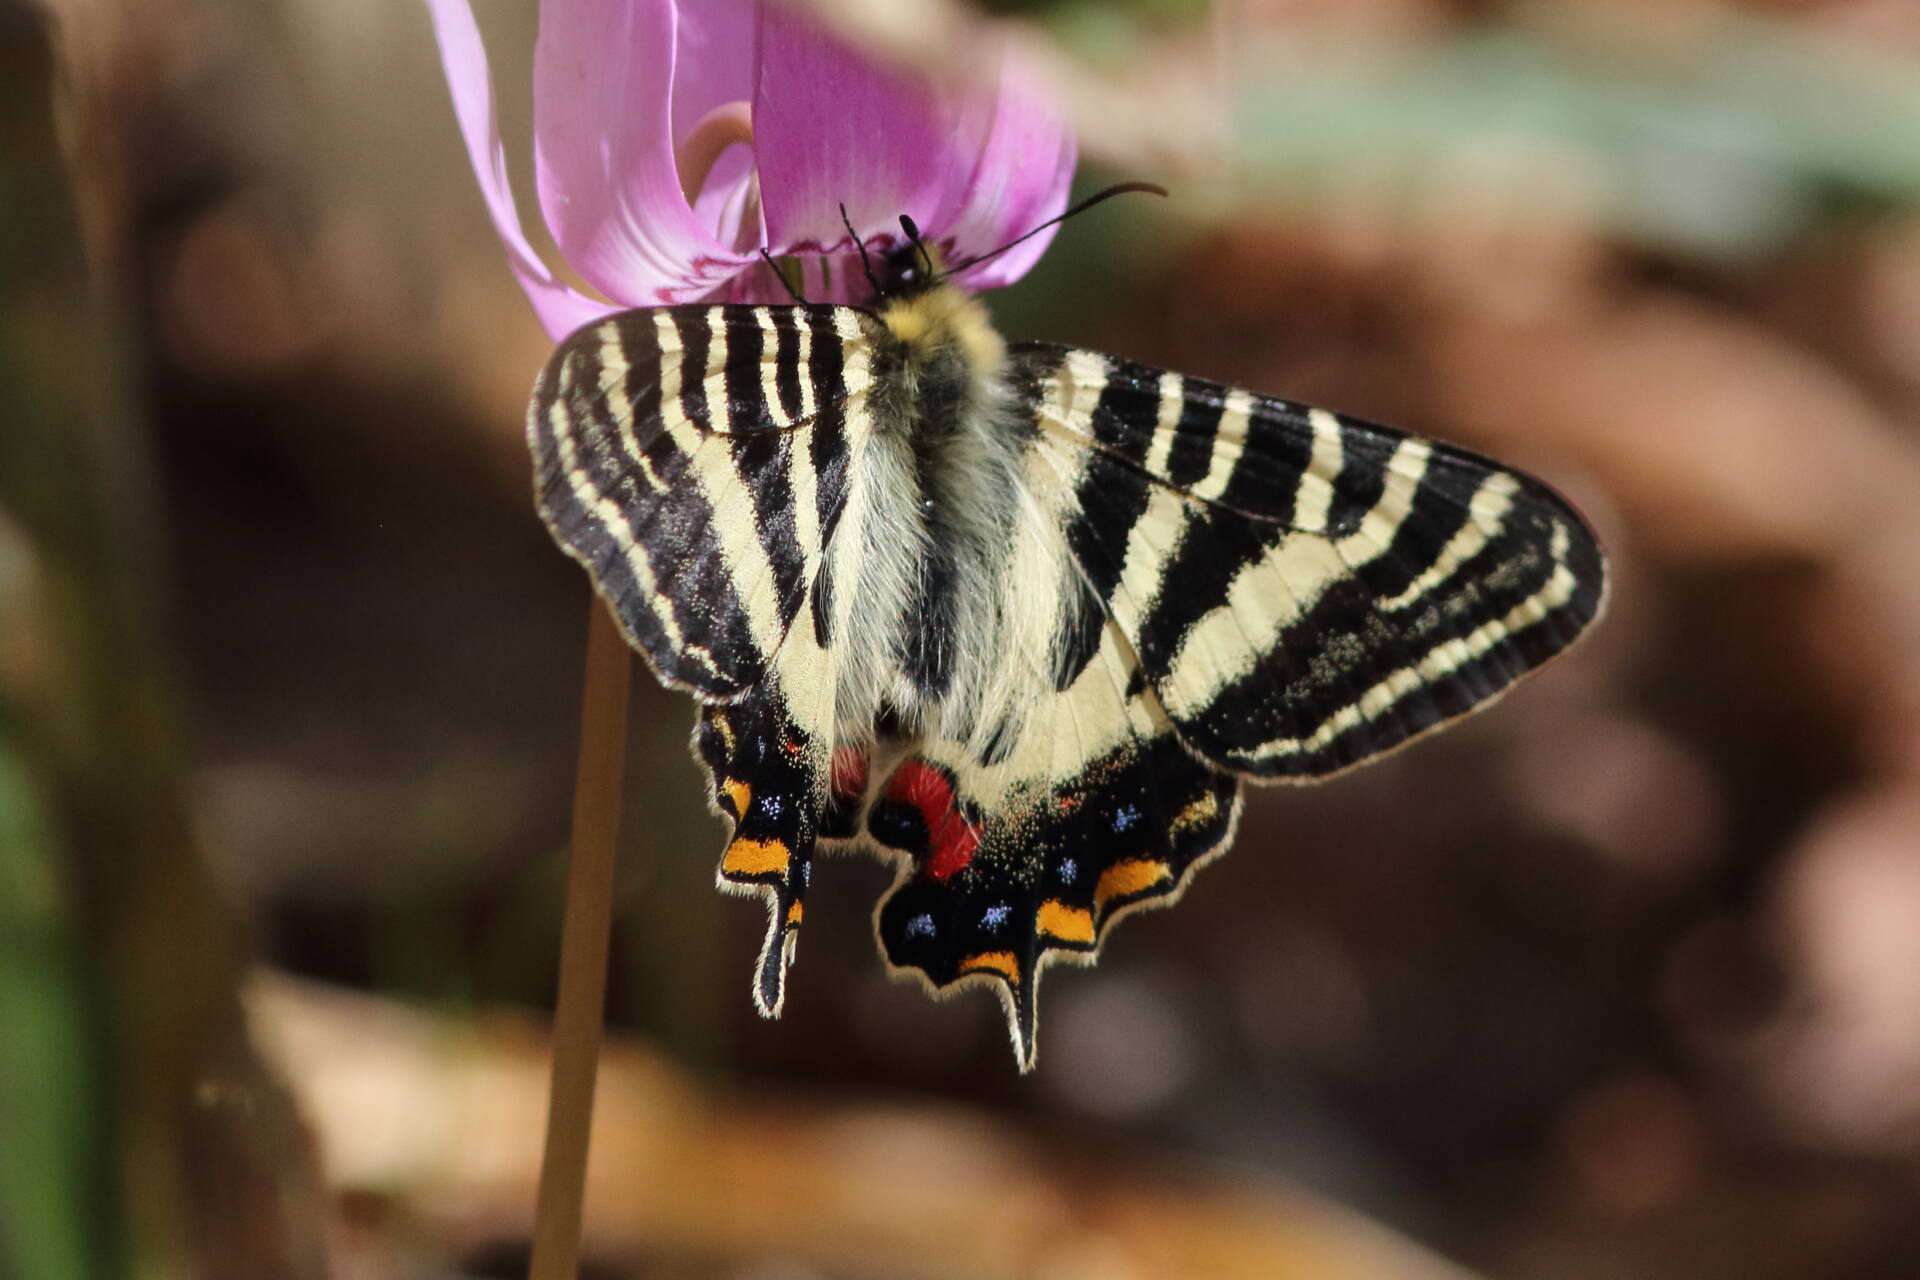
(793, 915)
(740, 793)
(1069, 924)
(755, 858)
(1000, 962)
(1200, 812)
(1124, 879)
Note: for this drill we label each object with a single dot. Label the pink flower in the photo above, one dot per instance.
(673, 141)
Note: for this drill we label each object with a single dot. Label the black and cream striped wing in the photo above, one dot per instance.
(696, 461)
(1266, 591)
(1304, 591)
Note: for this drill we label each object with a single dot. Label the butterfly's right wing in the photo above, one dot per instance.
(1304, 591)
(1259, 590)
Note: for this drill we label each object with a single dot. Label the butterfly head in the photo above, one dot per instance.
(907, 271)
(913, 293)
(936, 320)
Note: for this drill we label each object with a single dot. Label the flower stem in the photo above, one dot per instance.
(585, 931)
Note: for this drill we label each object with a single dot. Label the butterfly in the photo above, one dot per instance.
(1020, 617)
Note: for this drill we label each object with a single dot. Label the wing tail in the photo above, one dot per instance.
(765, 778)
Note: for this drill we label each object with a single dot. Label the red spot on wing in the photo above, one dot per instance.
(953, 844)
(952, 839)
(847, 776)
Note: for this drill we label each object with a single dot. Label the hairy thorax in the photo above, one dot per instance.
(944, 483)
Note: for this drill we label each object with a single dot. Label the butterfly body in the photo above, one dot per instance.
(941, 484)
(1020, 618)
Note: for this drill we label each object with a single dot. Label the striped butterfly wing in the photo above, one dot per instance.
(1304, 591)
(695, 461)
(1272, 592)
(698, 462)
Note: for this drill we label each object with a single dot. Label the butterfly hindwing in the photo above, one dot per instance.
(1048, 873)
(1008, 865)
(762, 768)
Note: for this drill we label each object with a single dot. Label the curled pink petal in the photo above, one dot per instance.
(974, 167)
(834, 129)
(560, 308)
(717, 44)
(673, 139)
(1019, 180)
(603, 95)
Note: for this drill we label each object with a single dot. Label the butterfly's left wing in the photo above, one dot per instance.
(1266, 591)
(698, 462)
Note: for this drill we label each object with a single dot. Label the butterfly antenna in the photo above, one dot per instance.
(919, 245)
(865, 264)
(781, 276)
(1117, 189)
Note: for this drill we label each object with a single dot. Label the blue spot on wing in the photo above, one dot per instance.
(921, 926)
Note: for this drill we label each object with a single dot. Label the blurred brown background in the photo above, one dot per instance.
(1621, 979)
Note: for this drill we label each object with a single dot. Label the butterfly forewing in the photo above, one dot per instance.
(1305, 590)
(695, 460)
